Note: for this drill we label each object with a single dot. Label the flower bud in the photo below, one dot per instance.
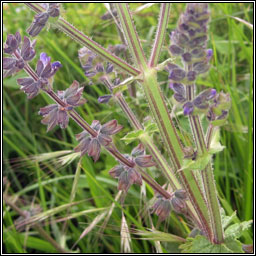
(137, 151)
(144, 161)
(109, 68)
(181, 194)
(94, 149)
(53, 9)
(38, 23)
(116, 171)
(176, 50)
(99, 67)
(162, 208)
(201, 67)
(187, 57)
(104, 99)
(178, 97)
(178, 88)
(178, 205)
(191, 75)
(12, 43)
(111, 128)
(9, 63)
(177, 74)
(188, 108)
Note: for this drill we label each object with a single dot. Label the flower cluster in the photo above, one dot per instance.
(40, 19)
(189, 41)
(92, 64)
(127, 175)
(44, 70)
(55, 114)
(19, 56)
(96, 68)
(219, 109)
(163, 206)
(92, 145)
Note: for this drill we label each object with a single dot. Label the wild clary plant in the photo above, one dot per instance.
(188, 168)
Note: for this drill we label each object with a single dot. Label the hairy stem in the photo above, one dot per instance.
(132, 87)
(207, 174)
(160, 34)
(131, 35)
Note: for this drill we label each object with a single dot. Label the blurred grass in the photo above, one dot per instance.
(49, 184)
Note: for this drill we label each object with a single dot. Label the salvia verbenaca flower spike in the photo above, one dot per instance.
(189, 41)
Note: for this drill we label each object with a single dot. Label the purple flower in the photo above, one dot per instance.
(178, 205)
(187, 57)
(27, 53)
(126, 176)
(144, 161)
(92, 145)
(29, 86)
(191, 75)
(181, 194)
(46, 69)
(138, 151)
(38, 23)
(188, 108)
(104, 99)
(178, 88)
(176, 50)
(12, 43)
(177, 74)
(209, 54)
(162, 208)
(53, 9)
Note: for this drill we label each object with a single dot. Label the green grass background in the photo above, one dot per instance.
(49, 183)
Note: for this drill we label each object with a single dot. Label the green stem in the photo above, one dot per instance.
(160, 34)
(207, 174)
(78, 36)
(131, 35)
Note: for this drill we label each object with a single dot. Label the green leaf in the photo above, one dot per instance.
(234, 245)
(198, 164)
(235, 230)
(201, 244)
(215, 145)
(226, 220)
(132, 136)
(150, 128)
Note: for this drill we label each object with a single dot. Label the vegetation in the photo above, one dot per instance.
(55, 201)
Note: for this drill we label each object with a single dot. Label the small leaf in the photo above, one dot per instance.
(132, 136)
(199, 164)
(226, 220)
(215, 145)
(151, 128)
(235, 230)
